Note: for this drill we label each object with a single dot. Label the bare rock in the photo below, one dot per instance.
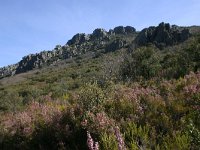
(162, 35)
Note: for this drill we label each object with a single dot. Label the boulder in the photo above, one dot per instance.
(124, 30)
(119, 30)
(129, 29)
(99, 34)
(78, 39)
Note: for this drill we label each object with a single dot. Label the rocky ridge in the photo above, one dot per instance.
(101, 41)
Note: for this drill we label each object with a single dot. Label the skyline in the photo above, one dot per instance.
(28, 27)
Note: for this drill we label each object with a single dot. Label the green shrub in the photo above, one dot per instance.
(178, 141)
(91, 97)
(108, 142)
(143, 62)
(137, 137)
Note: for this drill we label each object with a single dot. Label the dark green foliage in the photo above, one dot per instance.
(149, 62)
(10, 101)
(143, 62)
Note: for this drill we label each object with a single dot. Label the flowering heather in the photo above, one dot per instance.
(192, 77)
(192, 89)
(103, 120)
(134, 95)
(192, 83)
(163, 109)
(35, 112)
(91, 144)
(97, 122)
(120, 140)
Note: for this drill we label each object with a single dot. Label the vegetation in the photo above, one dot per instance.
(142, 99)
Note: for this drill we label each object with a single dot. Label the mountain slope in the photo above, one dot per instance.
(102, 41)
(136, 90)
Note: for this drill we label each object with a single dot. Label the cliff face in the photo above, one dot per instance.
(163, 35)
(100, 41)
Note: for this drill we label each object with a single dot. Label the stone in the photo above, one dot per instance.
(119, 30)
(99, 34)
(78, 39)
(162, 35)
(129, 29)
(111, 32)
(124, 30)
(8, 70)
(115, 45)
(185, 34)
(58, 47)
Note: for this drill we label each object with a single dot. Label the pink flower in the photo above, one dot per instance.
(90, 141)
(91, 144)
(96, 146)
(192, 89)
(121, 144)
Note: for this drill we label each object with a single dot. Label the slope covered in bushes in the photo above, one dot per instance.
(150, 115)
(135, 97)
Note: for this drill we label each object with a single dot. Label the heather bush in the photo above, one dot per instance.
(91, 144)
(38, 123)
(141, 115)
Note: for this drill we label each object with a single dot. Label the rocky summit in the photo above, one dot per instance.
(163, 35)
(101, 41)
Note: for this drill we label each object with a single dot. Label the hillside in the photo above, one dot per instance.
(102, 41)
(99, 41)
(124, 89)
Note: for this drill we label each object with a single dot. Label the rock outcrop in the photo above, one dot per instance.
(100, 41)
(8, 71)
(80, 44)
(116, 44)
(78, 39)
(99, 34)
(32, 61)
(162, 35)
(124, 30)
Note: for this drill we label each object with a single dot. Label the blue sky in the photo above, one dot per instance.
(30, 26)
